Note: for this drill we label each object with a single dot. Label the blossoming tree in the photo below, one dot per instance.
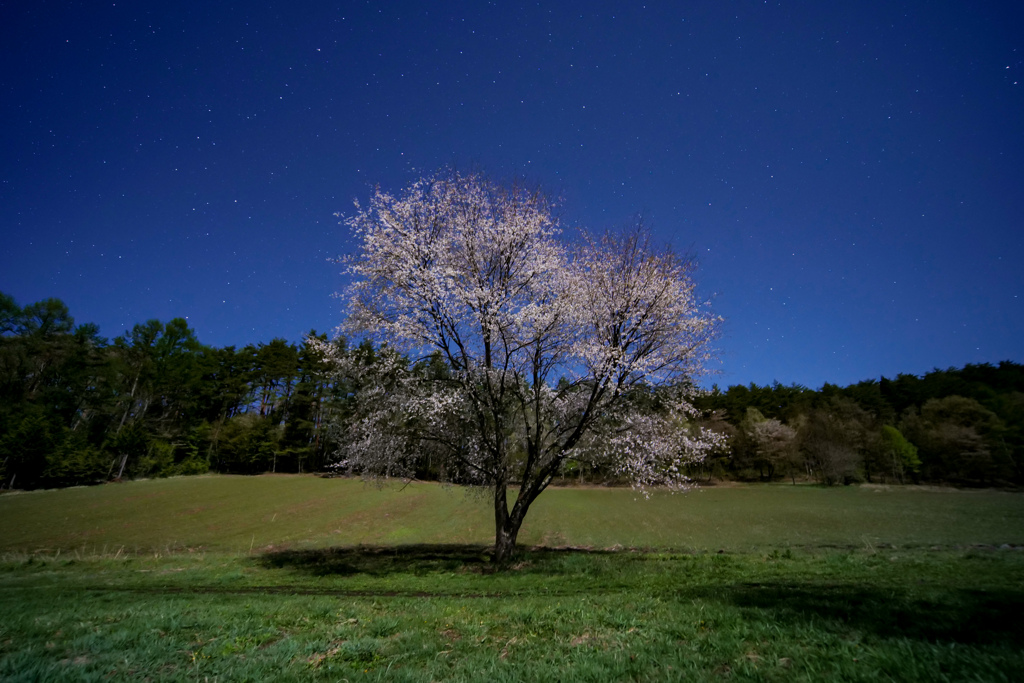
(543, 353)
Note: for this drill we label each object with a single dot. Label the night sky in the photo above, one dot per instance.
(848, 174)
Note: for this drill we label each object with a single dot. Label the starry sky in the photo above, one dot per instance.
(848, 174)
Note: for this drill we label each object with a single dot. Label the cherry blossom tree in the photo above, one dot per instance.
(534, 353)
(776, 445)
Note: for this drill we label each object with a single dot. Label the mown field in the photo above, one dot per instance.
(301, 578)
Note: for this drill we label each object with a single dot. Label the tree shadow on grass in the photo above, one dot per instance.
(377, 560)
(945, 614)
(952, 615)
(417, 559)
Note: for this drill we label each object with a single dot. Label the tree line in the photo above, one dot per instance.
(959, 426)
(77, 408)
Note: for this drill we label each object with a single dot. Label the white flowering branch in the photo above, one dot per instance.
(543, 346)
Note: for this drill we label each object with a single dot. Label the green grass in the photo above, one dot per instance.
(156, 580)
(421, 613)
(226, 513)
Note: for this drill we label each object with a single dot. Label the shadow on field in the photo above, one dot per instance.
(378, 560)
(420, 558)
(959, 616)
(945, 614)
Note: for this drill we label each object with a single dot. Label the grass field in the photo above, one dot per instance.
(300, 578)
(233, 513)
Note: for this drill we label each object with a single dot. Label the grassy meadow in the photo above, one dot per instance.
(303, 578)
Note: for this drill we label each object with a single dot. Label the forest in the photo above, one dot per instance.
(77, 408)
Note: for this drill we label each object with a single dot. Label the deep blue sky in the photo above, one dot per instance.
(849, 174)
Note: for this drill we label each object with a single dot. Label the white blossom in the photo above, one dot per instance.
(545, 346)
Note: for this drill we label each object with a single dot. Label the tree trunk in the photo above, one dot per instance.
(505, 543)
(506, 527)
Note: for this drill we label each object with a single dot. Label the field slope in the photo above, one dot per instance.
(232, 513)
(296, 578)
